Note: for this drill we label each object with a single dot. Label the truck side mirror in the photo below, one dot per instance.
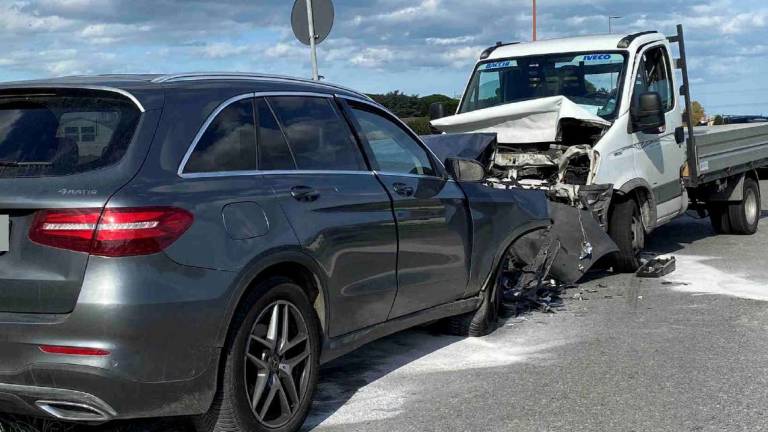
(465, 170)
(648, 113)
(436, 111)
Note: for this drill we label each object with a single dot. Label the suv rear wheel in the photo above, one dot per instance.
(270, 364)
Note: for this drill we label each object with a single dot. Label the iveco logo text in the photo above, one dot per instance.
(597, 57)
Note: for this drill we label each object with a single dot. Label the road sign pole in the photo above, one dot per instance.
(312, 40)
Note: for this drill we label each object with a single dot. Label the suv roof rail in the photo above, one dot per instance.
(488, 51)
(624, 43)
(194, 76)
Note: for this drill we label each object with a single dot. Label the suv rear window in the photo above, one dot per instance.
(63, 134)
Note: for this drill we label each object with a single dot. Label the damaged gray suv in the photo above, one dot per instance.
(197, 245)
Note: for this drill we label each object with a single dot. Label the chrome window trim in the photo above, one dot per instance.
(180, 172)
(397, 174)
(269, 173)
(413, 134)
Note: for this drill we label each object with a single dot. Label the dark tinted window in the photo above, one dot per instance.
(319, 137)
(274, 153)
(229, 143)
(63, 134)
(654, 76)
(393, 149)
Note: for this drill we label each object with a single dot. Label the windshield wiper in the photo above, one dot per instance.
(23, 164)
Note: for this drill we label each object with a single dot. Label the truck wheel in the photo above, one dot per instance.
(626, 229)
(745, 215)
(270, 363)
(480, 322)
(720, 218)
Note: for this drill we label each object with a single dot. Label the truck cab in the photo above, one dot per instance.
(586, 114)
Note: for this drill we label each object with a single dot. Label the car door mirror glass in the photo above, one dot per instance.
(648, 113)
(465, 170)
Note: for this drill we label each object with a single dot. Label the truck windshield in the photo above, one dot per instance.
(590, 80)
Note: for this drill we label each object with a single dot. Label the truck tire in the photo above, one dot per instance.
(626, 229)
(745, 215)
(720, 218)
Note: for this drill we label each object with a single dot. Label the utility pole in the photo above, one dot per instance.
(534, 20)
(312, 40)
(610, 23)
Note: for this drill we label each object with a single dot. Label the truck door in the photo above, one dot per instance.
(433, 222)
(659, 157)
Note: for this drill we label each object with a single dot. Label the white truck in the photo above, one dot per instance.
(598, 122)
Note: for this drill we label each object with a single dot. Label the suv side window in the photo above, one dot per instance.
(229, 143)
(319, 137)
(274, 153)
(394, 150)
(653, 75)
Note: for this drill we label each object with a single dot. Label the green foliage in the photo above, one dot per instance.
(698, 112)
(420, 125)
(719, 120)
(410, 106)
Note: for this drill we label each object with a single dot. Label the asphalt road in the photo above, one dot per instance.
(685, 353)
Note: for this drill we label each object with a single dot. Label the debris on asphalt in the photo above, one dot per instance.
(657, 267)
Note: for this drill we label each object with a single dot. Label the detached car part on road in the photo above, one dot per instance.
(199, 244)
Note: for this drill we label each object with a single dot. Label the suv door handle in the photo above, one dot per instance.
(304, 193)
(403, 189)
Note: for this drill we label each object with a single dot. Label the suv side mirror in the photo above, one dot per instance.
(465, 170)
(436, 111)
(648, 113)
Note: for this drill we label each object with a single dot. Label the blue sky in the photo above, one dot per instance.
(416, 46)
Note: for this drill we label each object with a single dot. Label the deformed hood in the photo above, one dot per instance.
(532, 121)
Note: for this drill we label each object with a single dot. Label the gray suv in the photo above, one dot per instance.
(197, 245)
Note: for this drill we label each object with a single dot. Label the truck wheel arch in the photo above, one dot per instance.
(641, 191)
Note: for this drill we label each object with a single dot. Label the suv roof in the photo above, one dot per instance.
(138, 86)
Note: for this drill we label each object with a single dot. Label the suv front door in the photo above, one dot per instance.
(433, 222)
(339, 211)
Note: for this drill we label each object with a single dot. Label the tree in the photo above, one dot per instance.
(698, 112)
(719, 120)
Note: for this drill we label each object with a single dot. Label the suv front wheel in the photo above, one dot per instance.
(270, 363)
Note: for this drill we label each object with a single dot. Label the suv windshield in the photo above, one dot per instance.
(589, 80)
(62, 134)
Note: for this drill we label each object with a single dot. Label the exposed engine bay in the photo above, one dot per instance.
(543, 144)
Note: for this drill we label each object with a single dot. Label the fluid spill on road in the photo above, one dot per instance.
(376, 382)
(695, 275)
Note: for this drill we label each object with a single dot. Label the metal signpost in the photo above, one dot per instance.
(315, 18)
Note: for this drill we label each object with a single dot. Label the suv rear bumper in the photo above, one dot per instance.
(159, 321)
(62, 404)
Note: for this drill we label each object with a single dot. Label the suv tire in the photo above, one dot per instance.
(258, 325)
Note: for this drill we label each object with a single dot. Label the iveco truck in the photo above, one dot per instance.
(603, 123)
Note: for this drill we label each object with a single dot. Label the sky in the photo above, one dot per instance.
(415, 46)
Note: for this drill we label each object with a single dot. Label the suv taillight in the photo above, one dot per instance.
(116, 232)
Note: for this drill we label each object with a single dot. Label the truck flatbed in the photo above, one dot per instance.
(730, 149)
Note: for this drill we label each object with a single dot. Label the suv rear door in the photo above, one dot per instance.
(60, 149)
(339, 211)
(433, 221)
